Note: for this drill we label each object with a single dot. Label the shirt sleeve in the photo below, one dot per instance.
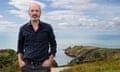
(53, 44)
(20, 42)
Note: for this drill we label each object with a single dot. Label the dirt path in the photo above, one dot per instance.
(58, 69)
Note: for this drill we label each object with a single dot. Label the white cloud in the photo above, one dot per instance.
(70, 20)
(81, 5)
(22, 7)
(98, 8)
(6, 26)
(1, 16)
(24, 4)
(74, 5)
(60, 15)
(71, 15)
(21, 14)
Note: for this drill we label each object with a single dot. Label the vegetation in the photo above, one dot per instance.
(84, 54)
(111, 65)
(86, 59)
(93, 59)
(8, 61)
(54, 64)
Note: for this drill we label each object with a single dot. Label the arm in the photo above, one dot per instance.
(20, 49)
(53, 44)
(53, 47)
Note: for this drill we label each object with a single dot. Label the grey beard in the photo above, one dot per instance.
(35, 19)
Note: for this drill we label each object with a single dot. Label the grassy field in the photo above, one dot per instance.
(110, 65)
(84, 54)
(93, 59)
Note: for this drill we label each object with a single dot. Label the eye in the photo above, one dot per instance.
(32, 10)
(37, 10)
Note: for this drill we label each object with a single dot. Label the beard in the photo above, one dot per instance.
(35, 18)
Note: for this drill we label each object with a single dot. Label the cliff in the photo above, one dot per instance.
(83, 54)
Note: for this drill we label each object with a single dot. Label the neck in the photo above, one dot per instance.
(34, 22)
(35, 25)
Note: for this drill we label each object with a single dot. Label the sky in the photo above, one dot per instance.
(69, 18)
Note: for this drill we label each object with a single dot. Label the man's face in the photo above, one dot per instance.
(34, 12)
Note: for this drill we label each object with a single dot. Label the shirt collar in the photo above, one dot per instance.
(29, 23)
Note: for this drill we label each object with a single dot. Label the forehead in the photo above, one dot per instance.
(34, 7)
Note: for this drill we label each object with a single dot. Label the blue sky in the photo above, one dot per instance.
(69, 18)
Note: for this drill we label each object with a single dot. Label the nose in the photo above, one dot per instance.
(34, 12)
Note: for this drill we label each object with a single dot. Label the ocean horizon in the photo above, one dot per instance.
(103, 41)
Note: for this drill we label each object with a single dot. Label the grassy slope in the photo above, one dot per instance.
(98, 59)
(111, 65)
(84, 54)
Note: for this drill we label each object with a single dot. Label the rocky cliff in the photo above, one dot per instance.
(83, 54)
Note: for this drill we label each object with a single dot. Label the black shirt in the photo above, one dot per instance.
(34, 45)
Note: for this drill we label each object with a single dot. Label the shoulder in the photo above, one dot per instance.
(23, 26)
(46, 25)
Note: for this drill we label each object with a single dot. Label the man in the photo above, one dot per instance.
(34, 40)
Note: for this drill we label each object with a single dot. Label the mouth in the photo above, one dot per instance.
(34, 16)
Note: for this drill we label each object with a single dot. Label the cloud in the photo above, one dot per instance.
(77, 15)
(20, 14)
(6, 26)
(24, 4)
(1, 16)
(93, 7)
(68, 20)
(90, 24)
(22, 7)
(74, 5)
(81, 5)
(71, 15)
(115, 23)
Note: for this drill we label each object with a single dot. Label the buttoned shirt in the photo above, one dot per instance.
(36, 45)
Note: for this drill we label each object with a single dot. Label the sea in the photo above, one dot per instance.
(103, 41)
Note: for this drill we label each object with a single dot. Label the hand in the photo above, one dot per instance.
(47, 63)
(21, 63)
(20, 60)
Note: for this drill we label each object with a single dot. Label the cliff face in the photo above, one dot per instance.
(84, 54)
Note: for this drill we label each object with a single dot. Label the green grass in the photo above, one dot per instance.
(98, 66)
(76, 50)
(85, 54)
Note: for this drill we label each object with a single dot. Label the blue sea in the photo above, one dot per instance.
(108, 41)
